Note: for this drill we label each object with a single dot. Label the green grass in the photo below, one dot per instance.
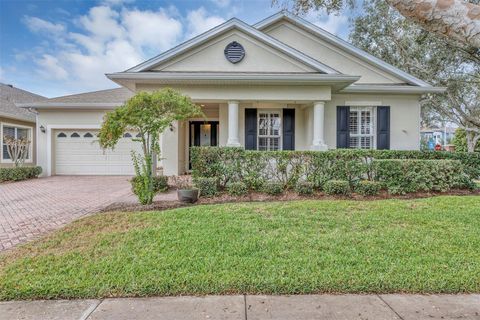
(425, 245)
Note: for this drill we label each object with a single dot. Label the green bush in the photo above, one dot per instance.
(406, 176)
(340, 187)
(19, 173)
(368, 188)
(208, 186)
(237, 188)
(273, 188)
(160, 183)
(304, 187)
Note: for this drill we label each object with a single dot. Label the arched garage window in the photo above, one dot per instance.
(61, 135)
(74, 135)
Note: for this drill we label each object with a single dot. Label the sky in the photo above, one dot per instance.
(56, 48)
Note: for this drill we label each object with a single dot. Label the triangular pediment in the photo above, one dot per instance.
(206, 53)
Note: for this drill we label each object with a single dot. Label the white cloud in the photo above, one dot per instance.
(152, 29)
(336, 24)
(109, 39)
(50, 68)
(198, 21)
(221, 3)
(38, 25)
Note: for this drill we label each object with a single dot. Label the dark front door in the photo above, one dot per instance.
(203, 134)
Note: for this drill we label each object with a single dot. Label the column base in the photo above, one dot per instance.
(233, 144)
(319, 147)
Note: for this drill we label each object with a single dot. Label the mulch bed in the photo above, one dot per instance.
(286, 196)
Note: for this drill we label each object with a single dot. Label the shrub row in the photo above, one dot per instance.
(19, 173)
(257, 170)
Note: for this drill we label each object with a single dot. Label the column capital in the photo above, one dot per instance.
(319, 103)
(233, 102)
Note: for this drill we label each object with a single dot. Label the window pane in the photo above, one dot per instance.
(353, 142)
(275, 124)
(262, 144)
(274, 144)
(353, 122)
(366, 122)
(9, 132)
(22, 133)
(366, 142)
(262, 124)
(5, 152)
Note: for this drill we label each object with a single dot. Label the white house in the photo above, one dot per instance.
(281, 84)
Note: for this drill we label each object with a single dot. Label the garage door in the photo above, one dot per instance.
(77, 152)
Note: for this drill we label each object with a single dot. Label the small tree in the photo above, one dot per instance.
(149, 114)
(17, 149)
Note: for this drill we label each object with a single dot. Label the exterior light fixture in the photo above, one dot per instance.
(42, 129)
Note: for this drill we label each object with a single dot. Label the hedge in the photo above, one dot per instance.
(405, 176)
(255, 168)
(19, 173)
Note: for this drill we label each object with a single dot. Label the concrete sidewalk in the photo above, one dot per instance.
(390, 306)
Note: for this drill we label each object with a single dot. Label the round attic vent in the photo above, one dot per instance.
(234, 52)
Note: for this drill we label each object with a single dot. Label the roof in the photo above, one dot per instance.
(9, 96)
(340, 43)
(103, 98)
(233, 23)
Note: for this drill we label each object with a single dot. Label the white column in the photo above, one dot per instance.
(318, 142)
(232, 140)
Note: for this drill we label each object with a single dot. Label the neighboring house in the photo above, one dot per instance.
(281, 84)
(16, 122)
(433, 136)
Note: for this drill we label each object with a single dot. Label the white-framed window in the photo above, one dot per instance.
(362, 124)
(15, 131)
(269, 133)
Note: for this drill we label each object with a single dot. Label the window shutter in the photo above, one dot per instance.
(343, 130)
(288, 129)
(383, 128)
(251, 129)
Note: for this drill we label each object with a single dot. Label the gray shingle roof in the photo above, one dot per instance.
(10, 95)
(118, 95)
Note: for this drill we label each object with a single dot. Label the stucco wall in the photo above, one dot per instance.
(329, 54)
(31, 125)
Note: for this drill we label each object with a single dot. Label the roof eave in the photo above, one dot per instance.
(71, 105)
(391, 89)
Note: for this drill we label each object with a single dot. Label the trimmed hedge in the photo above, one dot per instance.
(288, 168)
(19, 173)
(304, 187)
(337, 187)
(207, 186)
(368, 188)
(405, 176)
(237, 188)
(272, 188)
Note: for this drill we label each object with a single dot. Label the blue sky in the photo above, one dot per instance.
(62, 47)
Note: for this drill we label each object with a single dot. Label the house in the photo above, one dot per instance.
(281, 84)
(16, 122)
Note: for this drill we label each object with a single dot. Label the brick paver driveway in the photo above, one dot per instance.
(33, 207)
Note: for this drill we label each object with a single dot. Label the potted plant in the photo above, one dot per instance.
(185, 191)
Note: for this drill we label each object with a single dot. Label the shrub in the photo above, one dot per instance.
(368, 188)
(405, 176)
(208, 186)
(237, 188)
(19, 173)
(160, 183)
(304, 187)
(341, 187)
(273, 188)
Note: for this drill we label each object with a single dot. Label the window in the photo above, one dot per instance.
(74, 135)
(61, 135)
(269, 130)
(362, 127)
(127, 135)
(88, 135)
(16, 132)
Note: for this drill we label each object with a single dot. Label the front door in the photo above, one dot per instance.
(203, 134)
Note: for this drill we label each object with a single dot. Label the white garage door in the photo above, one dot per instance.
(77, 152)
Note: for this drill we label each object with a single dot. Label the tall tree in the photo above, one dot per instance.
(455, 19)
(381, 31)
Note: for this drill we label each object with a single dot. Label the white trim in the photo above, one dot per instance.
(363, 103)
(391, 89)
(70, 105)
(228, 25)
(330, 38)
(30, 147)
(52, 127)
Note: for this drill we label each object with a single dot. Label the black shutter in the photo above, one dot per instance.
(288, 129)
(343, 130)
(251, 129)
(383, 128)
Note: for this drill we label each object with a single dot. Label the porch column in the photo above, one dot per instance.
(318, 142)
(232, 140)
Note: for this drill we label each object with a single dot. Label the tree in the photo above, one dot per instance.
(149, 114)
(455, 19)
(17, 149)
(460, 141)
(387, 35)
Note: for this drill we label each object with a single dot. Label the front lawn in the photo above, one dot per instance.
(423, 245)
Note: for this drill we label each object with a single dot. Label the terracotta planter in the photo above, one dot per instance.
(187, 195)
